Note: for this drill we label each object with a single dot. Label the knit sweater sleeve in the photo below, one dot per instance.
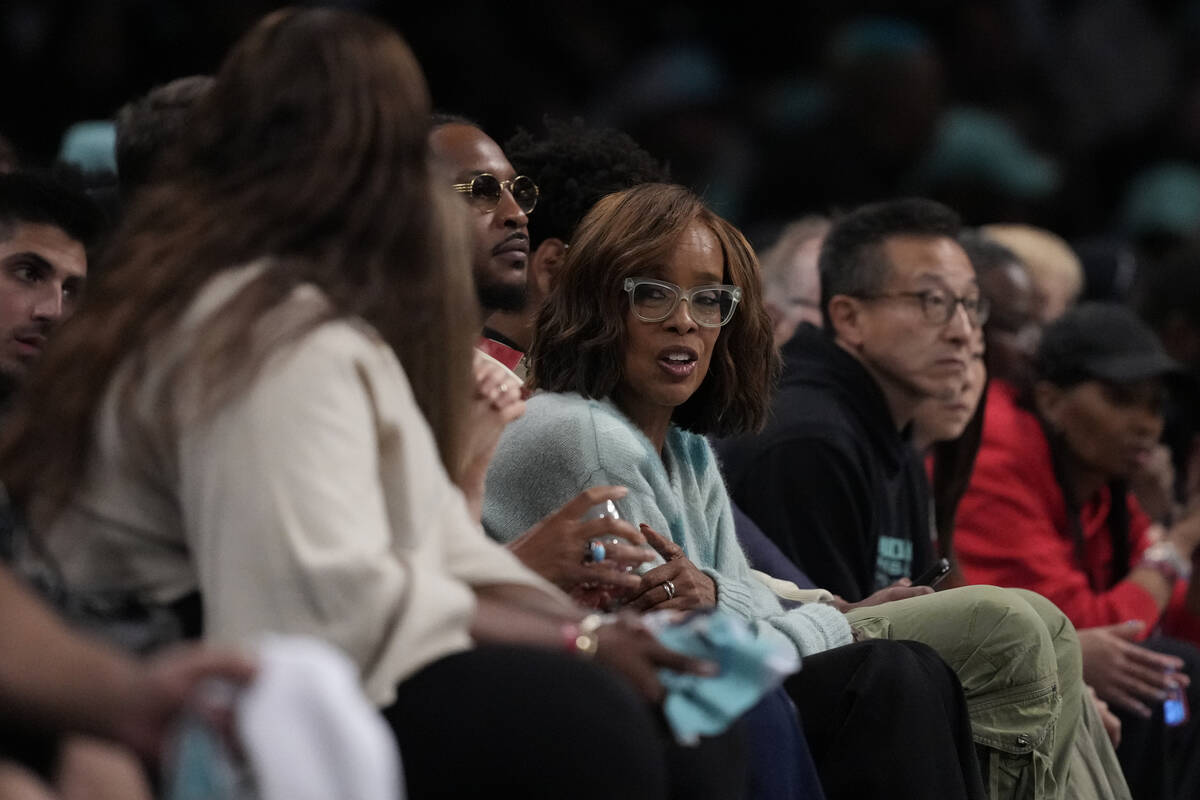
(543, 460)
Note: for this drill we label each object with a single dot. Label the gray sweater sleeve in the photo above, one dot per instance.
(543, 460)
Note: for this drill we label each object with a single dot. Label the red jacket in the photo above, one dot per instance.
(1012, 529)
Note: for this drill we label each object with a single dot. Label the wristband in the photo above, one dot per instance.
(579, 642)
(1165, 559)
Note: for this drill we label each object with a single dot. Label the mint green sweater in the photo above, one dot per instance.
(566, 443)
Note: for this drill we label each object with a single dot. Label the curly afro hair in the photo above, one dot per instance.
(574, 166)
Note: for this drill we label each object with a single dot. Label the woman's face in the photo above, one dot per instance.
(941, 419)
(665, 362)
(1013, 328)
(1109, 428)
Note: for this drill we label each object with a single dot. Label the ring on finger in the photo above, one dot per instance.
(595, 552)
(669, 586)
(503, 388)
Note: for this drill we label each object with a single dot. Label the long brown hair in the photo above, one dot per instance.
(309, 152)
(580, 334)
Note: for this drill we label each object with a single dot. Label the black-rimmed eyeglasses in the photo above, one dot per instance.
(939, 305)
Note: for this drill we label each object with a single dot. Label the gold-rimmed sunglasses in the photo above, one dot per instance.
(485, 190)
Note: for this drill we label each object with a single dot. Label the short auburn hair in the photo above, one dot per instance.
(580, 336)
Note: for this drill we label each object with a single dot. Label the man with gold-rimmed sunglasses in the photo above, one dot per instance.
(500, 202)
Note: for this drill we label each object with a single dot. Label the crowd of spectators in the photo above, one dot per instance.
(527, 432)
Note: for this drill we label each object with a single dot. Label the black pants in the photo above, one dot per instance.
(887, 719)
(1160, 762)
(519, 722)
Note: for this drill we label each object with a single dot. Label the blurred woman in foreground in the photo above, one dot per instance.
(229, 417)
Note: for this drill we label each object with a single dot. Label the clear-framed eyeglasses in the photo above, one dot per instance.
(711, 305)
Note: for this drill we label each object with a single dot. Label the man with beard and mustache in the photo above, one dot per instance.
(500, 203)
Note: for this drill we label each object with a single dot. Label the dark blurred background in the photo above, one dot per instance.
(1083, 117)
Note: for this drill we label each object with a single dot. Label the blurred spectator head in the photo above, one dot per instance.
(792, 278)
(981, 165)
(887, 83)
(1101, 386)
(1013, 327)
(89, 146)
(1056, 271)
(46, 229)
(149, 124)
(498, 212)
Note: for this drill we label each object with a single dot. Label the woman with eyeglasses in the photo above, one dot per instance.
(262, 409)
(656, 335)
(1048, 508)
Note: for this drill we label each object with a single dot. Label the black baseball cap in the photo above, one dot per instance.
(1102, 341)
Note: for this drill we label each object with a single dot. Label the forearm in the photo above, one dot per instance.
(1155, 584)
(1163, 563)
(500, 621)
(471, 482)
(55, 677)
(528, 599)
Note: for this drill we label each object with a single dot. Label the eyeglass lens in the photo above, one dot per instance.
(487, 188)
(710, 307)
(939, 307)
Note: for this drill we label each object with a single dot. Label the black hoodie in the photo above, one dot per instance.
(830, 480)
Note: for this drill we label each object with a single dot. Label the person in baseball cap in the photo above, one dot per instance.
(1049, 509)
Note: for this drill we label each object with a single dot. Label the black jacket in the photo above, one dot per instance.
(830, 480)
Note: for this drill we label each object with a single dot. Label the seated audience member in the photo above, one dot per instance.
(1169, 301)
(501, 202)
(151, 123)
(834, 481)
(791, 280)
(1048, 509)
(1012, 332)
(572, 167)
(1056, 271)
(947, 430)
(46, 229)
(240, 424)
(655, 335)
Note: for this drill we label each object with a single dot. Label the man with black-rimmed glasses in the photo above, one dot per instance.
(833, 480)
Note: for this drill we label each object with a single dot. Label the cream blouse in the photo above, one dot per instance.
(313, 502)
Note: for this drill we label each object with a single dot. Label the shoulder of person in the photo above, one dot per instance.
(581, 421)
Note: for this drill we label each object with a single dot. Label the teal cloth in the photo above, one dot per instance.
(751, 666)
